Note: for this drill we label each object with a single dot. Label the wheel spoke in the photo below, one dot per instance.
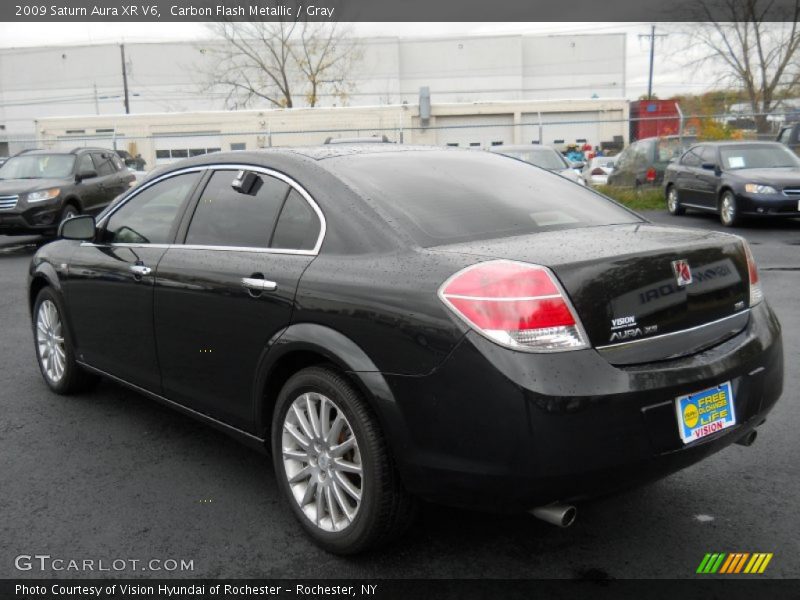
(330, 504)
(297, 436)
(347, 467)
(341, 500)
(336, 428)
(324, 418)
(354, 492)
(346, 445)
(309, 495)
(295, 455)
(302, 474)
(320, 501)
(313, 417)
(301, 419)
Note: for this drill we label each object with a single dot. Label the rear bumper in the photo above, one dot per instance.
(492, 428)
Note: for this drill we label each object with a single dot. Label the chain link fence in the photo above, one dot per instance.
(591, 134)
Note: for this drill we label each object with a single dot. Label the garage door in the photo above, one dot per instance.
(561, 128)
(478, 131)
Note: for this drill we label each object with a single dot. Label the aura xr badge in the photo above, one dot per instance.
(683, 274)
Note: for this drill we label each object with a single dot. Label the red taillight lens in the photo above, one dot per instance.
(650, 175)
(756, 294)
(515, 304)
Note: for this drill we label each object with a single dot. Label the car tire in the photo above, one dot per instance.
(69, 211)
(344, 512)
(673, 202)
(728, 211)
(55, 352)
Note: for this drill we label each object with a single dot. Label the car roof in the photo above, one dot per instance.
(719, 143)
(521, 147)
(40, 151)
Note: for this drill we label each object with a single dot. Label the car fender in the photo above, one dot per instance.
(46, 271)
(339, 350)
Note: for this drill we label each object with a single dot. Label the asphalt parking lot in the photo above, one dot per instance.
(111, 475)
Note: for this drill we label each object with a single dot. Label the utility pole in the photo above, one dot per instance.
(125, 79)
(652, 38)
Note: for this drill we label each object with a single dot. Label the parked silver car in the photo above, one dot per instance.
(596, 171)
(545, 157)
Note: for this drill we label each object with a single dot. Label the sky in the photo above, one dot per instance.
(671, 76)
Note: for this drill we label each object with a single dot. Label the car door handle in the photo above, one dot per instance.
(261, 285)
(140, 270)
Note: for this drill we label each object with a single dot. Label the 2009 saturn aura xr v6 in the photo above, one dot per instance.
(397, 323)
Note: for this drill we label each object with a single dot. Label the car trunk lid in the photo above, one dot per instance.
(630, 285)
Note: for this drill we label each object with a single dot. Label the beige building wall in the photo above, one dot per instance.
(164, 137)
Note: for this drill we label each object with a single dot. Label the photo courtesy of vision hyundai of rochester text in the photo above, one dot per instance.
(395, 323)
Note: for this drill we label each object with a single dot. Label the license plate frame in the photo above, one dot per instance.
(706, 412)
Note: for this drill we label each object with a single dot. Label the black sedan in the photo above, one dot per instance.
(735, 180)
(395, 323)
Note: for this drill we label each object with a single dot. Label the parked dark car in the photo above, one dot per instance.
(41, 188)
(643, 163)
(735, 180)
(789, 136)
(402, 322)
(544, 157)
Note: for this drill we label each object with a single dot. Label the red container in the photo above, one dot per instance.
(653, 118)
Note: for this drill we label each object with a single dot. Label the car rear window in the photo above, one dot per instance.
(450, 196)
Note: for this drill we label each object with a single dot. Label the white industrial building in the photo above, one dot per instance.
(165, 137)
(499, 83)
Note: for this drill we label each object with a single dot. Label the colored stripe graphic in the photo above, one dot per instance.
(733, 563)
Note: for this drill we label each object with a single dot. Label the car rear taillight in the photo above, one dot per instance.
(650, 175)
(517, 305)
(598, 171)
(756, 295)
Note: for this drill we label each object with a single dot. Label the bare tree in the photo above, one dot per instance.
(280, 61)
(756, 41)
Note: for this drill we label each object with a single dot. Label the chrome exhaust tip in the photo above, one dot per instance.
(558, 514)
(749, 439)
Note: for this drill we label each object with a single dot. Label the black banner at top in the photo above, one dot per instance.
(396, 10)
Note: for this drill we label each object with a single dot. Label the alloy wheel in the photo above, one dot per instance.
(672, 200)
(50, 341)
(322, 462)
(728, 209)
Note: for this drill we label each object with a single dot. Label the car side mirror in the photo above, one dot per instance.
(578, 165)
(88, 174)
(81, 227)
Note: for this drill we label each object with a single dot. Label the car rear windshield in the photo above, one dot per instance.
(757, 157)
(546, 158)
(453, 196)
(38, 166)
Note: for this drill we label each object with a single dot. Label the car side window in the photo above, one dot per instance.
(227, 217)
(624, 159)
(103, 164)
(85, 164)
(785, 135)
(148, 217)
(298, 225)
(708, 155)
(691, 158)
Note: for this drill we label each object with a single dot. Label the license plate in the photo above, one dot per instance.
(702, 413)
